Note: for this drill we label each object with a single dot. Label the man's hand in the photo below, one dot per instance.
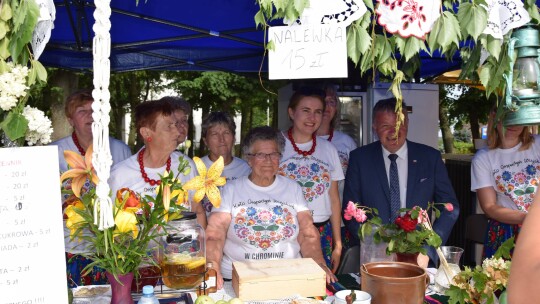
(422, 260)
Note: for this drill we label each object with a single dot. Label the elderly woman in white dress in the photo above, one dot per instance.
(262, 215)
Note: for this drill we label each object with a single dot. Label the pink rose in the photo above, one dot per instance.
(449, 207)
(360, 215)
(350, 211)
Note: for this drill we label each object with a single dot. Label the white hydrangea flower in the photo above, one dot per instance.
(13, 86)
(39, 127)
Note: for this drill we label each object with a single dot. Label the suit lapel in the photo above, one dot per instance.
(411, 173)
(381, 172)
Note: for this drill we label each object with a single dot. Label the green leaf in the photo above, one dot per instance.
(40, 70)
(4, 48)
(271, 46)
(504, 250)
(493, 46)
(282, 5)
(389, 67)
(472, 19)
(409, 47)
(369, 4)
(15, 125)
(530, 190)
(6, 13)
(300, 5)
(259, 19)
(532, 9)
(4, 28)
(444, 33)
(410, 67)
(456, 295)
(470, 65)
(383, 49)
(291, 13)
(353, 39)
(258, 228)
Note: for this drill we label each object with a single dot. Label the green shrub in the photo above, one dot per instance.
(461, 147)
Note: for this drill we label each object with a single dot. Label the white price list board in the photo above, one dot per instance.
(32, 260)
(307, 51)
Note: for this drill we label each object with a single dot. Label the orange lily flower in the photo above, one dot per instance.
(207, 183)
(81, 169)
(132, 200)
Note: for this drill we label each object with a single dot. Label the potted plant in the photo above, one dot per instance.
(485, 283)
(409, 235)
(138, 220)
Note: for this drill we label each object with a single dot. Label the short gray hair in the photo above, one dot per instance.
(218, 118)
(387, 105)
(262, 133)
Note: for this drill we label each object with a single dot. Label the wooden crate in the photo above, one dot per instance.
(277, 279)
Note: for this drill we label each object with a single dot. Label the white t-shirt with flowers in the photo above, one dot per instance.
(264, 223)
(314, 173)
(512, 173)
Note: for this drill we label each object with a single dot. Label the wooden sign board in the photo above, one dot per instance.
(32, 259)
(302, 52)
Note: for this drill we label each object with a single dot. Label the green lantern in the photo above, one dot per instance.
(522, 99)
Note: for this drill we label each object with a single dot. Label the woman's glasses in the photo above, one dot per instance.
(262, 156)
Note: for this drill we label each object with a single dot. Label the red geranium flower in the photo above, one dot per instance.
(406, 223)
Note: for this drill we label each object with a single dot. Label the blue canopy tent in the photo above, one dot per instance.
(217, 35)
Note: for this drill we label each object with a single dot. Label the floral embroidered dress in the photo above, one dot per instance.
(315, 174)
(514, 175)
(264, 224)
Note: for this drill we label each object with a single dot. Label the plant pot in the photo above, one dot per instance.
(411, 258)
(121, 289)
(394, 282)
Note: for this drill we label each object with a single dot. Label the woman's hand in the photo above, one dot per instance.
(330, 276)
(336, 258)
(219, 278)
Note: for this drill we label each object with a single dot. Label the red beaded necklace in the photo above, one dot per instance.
(77, 144)
(152, 182)
(331, 134)
(295, 147)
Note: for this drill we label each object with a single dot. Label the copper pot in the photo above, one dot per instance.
(394, 282)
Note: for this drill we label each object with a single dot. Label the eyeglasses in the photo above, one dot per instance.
(331, 102)
(184, 120)
(262, 156)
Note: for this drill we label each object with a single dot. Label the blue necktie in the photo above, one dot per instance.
(395, 201)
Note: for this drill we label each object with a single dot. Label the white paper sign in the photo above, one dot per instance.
(314, 51)
(32, 259)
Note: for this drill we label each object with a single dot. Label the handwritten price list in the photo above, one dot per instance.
(32, 261)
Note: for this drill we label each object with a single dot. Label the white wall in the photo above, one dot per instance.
(424, 119)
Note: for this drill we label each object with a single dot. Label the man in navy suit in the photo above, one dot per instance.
(422, 175)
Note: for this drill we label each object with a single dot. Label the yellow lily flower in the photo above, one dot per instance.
(74, 219)
(207, 183)
(81, 169)
(126, 221)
